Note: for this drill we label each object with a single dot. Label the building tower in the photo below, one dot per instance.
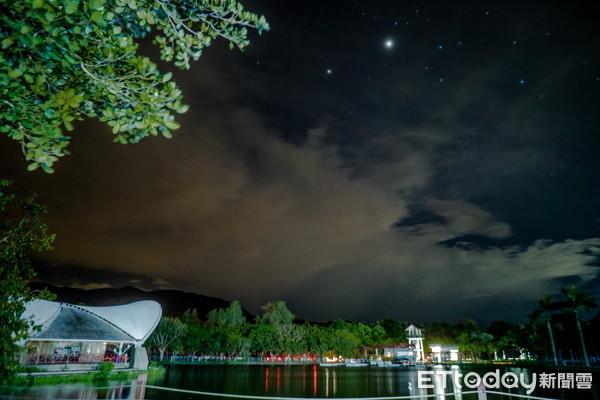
(414, 334)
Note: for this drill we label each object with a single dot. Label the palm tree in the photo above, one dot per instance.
(547, 306)
(577, 301)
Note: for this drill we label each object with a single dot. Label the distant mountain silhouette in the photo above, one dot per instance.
(173, 302)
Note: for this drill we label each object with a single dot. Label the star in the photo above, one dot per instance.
(389, 43)
(329, 71)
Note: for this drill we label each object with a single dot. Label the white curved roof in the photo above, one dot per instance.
(137, 320)
(40, 311)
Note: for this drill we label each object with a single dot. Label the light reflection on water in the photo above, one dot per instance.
(133, 389)
(304, 381)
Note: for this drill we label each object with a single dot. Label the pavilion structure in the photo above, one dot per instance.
(443, 353)
(80, 337)
(398, 352)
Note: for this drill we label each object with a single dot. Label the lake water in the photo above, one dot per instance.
(311, 381)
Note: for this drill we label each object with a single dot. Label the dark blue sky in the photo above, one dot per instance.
(420, 160)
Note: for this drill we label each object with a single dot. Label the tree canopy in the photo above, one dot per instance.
(21, 231)
(63, 60)
(232, 315)
(275, 314)
(167, 331)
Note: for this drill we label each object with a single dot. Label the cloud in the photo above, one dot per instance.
(91, 285)
(250, 217)
(231, 207)
(245, 214)
(419, 282)
(463, 218)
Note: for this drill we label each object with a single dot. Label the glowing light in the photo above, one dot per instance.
(389, 44)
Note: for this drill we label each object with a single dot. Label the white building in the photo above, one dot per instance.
(441, 353)
(395, 351)
(80, 337)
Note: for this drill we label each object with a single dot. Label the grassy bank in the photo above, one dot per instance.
(105, 372)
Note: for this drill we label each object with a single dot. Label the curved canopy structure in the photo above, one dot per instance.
(128, 323)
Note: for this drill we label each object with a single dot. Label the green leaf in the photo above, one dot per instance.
(7, 42)
(47, 169)
(96, 16)
(183, 109)
(15, 73)
(96, 4)
(55, 72)
(71, 6)
(172, 125)
(68, 125)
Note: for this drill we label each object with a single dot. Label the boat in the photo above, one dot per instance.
(357, 362)
(387, 364)
(332, 364)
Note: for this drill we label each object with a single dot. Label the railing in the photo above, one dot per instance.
(73, 358)
(481, 395)
(139, 388)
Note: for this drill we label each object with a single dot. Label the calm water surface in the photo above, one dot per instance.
(306, 381)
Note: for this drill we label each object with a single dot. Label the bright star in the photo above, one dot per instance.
(389, 44)
(329, 71)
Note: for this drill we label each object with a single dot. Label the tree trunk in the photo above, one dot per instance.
(552, 341)
(585, 357)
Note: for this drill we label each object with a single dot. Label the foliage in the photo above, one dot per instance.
(476, 342)
(441, 333)
(546, 307)
(83, 377)
(575, 302)
(275, 313)
(104, 370)
(508, 338)
(190, 317)
(21, 231)
(197, 338)
(394, 330)
(549, 330)
(275, 334)
(318, 339)
(230, 316)
(289, 339)
(263, 339)
(63, 60)
(345, 343)
(167, 331)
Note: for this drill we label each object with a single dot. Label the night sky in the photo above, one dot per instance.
(420, 160)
